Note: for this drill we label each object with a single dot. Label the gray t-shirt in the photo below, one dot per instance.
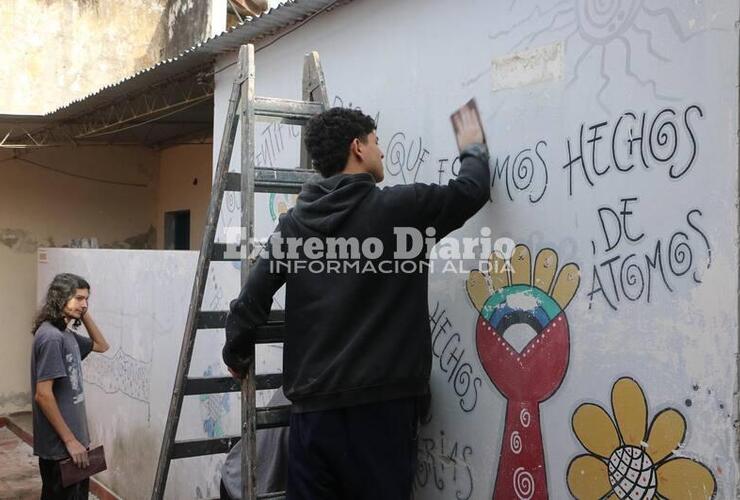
(272, 458)
(58, 356)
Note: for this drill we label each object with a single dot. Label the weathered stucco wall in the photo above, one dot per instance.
(43, 207)
(56, 51)
(184, 184)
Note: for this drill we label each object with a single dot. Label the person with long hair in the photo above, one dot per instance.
(59, 418)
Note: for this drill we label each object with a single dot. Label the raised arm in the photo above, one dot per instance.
(446, 208)
(99, 342)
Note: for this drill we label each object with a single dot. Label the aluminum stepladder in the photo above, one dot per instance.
(244, 106)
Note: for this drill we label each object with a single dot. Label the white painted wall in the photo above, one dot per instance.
(583, 63)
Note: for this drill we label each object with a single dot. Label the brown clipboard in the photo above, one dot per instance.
(72, 474)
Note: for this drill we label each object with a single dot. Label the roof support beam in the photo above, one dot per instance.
(162, 100)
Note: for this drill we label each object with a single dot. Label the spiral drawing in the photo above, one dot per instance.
(602, 20)
(523, 484)
(680, 255)
(515, 442)
(664, 136)
(523, 173)
(524, 418)
(633, 279)
(396, 154)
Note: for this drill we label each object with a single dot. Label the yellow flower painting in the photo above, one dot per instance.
(629, 459)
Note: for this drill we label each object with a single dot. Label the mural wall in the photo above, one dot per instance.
(588, 350)
(596, 356)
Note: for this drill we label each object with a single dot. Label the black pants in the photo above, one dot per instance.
(52, 483)
(224, 494)
(362, 452)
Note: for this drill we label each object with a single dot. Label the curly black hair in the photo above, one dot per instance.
(61, 290)
(329, 135)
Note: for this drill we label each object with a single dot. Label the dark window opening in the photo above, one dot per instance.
(177, 230)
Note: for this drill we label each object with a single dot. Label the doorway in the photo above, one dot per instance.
(177, 230)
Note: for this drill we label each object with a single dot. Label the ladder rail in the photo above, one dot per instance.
(248, 389)
(199, 284)
(314, 89)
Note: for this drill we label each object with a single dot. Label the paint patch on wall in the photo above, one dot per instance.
(214, 407)
(280, 203)
(19, 240)
(142, 241)
(633, 459)
(15, 399)
(120, 373)
(527, 67)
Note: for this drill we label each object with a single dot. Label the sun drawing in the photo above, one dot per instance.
(616, 28)
(630, 460)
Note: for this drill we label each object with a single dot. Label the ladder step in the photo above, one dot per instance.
(272, 180)
(277, 495)
(209, 385)
(267, 418)
(276, 316)
(217, 385)
(287, 110)
(270, 417)
(272, 332)
(217, 319)
(200, 447)
(219, 254)
(211, 319)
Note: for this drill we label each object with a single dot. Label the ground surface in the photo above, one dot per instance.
(19, 469)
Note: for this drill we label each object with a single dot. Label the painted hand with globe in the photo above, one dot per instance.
(514, 294)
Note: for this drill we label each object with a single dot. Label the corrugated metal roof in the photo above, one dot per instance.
(271, 22)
